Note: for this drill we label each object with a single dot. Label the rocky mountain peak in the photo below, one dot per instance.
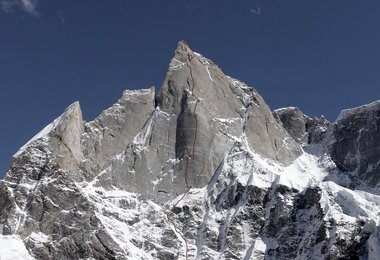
(201, 170)
(62, 126)
(302, 128)
(354, 144)
(183, 49)
(370, 110)
(68, 132)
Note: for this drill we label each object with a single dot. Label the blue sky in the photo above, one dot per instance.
(321, 56)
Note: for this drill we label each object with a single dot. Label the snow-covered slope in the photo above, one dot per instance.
(12, 248)
(201, 170)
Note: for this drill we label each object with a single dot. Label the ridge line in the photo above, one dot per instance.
(190, 157)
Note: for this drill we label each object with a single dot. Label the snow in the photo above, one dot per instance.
(209, 74)
(203, 59)
(142, 137)
(176, 64)
(135, 94)
(12, 248)
(261, 172)
(258, 250)
(352, 203)
(159, 112)
(50, 127)
(239, 83)
(226, 120)
(285, 109)
(126, 218)
(39, 238)
(311, 169)
(143, 220)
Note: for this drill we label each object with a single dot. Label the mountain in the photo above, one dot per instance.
(201, 170)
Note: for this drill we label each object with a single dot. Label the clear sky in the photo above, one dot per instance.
(321, 56)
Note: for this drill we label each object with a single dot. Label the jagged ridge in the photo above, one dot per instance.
(262, 185)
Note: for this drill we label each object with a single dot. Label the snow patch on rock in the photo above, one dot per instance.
(357, 110)
(12, 248)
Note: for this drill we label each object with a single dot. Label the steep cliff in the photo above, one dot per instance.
(201, 170)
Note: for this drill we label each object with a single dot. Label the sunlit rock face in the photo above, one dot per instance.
(201, 169)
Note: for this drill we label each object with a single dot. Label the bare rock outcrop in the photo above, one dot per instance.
(355, 143)
(303, 129)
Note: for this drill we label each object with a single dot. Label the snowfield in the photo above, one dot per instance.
(12, 248)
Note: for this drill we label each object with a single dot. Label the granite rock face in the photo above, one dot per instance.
(115, 128)
(219, 109)
(303, 129)
(199, 113)
(200, 170)
(355, 144)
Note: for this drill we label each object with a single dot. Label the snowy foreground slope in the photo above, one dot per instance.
(201, 170)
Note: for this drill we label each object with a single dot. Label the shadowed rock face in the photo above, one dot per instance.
(102, 189)
(303, 129)
(295, 122)
(353, 140)
(355, 145)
